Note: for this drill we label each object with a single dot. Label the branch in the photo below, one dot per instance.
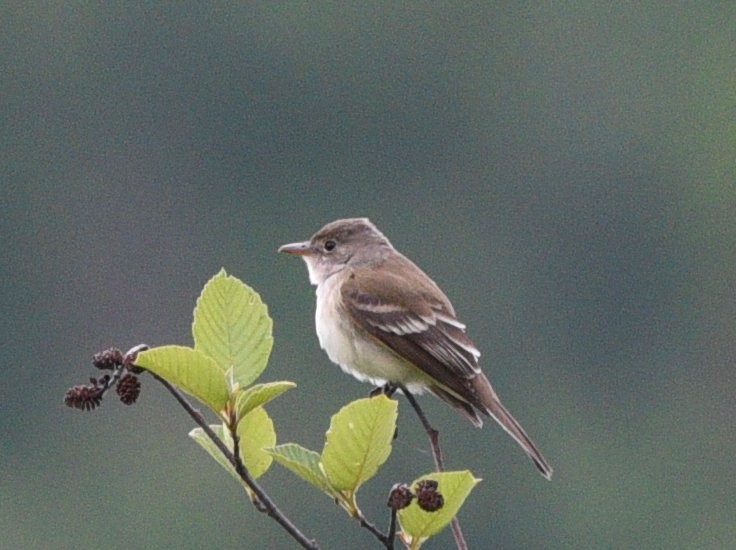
(265, 503)
(387, 541)
(391, 530)
(434, 441)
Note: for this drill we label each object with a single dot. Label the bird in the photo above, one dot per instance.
(385, 321)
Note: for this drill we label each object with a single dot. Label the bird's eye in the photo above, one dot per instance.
(330, 245)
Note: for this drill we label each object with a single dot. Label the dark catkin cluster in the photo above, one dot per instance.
(85, 398)
(127, 386)
(428, 497)
(400, 496)
(109, 359)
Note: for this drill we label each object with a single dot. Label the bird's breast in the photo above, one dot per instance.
(356, 352)
(333, 327)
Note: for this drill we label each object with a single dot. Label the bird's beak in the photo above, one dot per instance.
(298, 249)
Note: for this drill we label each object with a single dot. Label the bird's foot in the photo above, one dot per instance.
(387, 389)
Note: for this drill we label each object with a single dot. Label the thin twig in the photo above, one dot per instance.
(242, 471)
(434, 441)
(268, 506)
(433, 434)
(388, 543)
(457, 533)
(391, 530)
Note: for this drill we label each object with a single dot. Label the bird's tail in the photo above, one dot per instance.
(494, 408)
(480, 397)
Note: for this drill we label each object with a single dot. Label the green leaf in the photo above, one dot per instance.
(231, 324)
(359, 441)
(258, 395)
(304, 463)
(198, 435)
(418, 525)
(255, 432)
(189, 369)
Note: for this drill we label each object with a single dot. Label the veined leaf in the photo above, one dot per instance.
(198, 435)
(358, 442)
(418, 525)
(256, 433)
(191, 370)
(304, 463)
(259, 394)
(232, 325)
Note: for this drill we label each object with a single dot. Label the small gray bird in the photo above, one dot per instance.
(383, 320)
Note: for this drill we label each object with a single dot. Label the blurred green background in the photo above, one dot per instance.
(565, 172)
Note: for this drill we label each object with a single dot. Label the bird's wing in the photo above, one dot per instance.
(418, 324)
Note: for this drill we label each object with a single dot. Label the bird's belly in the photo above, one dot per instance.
(359, 354)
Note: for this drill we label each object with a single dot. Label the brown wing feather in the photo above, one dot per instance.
(419, 325)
